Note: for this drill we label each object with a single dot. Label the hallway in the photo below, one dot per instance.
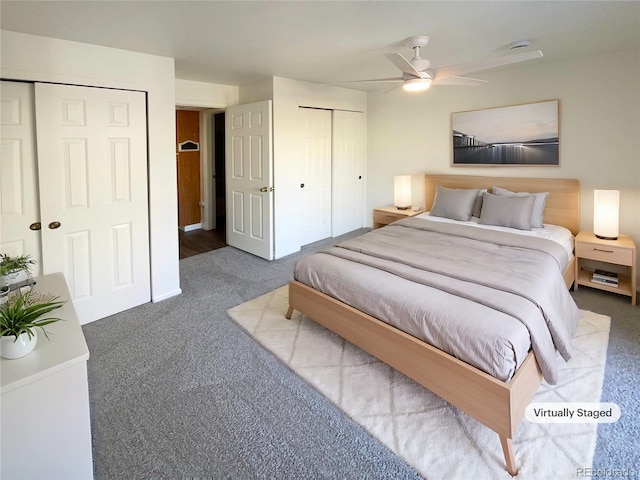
(200, 241)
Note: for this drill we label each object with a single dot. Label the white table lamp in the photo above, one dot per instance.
(606, 213)
(402, 192)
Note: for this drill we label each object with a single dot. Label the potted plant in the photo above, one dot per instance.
(20, 317)
(14, 269)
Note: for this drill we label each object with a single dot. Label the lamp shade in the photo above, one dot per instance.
(416, 84)
(402, 191)
(606, 213)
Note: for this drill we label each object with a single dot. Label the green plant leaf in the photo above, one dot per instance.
(22, 313)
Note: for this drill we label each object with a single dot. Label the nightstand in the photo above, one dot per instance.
(386, 215)
(619, 254)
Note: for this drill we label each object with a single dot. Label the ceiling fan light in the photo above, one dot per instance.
(417, 84)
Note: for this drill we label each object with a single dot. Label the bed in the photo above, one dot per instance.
(497, 398)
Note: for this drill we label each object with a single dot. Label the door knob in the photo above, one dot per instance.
(54, 225)
(35, 226)
(302, 185)
(264, 189)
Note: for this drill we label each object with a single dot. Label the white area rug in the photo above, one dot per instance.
(437, 439)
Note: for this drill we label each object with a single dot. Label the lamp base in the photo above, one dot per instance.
(403, 208)
(605, 238)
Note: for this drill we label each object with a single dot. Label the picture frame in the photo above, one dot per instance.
(516, 135)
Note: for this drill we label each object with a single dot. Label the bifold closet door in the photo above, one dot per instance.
(19, 205)
(92, 172)
(348, 160)
(315, 182)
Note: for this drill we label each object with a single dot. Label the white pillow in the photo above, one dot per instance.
(537, 216)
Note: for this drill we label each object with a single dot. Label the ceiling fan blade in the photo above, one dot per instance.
(460, 81)
(374, 80)
(403, 64)
(455, 70)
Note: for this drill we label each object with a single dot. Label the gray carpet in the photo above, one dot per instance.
(617, 445)
(178, 390)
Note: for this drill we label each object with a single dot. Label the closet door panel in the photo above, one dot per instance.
(316, 174)
(92, 162)
(349, 155)
(19, 203)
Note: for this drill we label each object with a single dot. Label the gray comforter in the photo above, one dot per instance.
(483, 296)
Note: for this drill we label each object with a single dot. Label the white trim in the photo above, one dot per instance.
(207, 170)
(190, 228)
(160, 298)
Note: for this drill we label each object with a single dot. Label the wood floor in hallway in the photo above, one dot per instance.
(200, 241)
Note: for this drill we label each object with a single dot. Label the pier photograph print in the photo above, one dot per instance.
(515, 135)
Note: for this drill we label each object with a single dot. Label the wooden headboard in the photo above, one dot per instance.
(563, 203)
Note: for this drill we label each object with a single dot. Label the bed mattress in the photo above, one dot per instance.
(484, 296)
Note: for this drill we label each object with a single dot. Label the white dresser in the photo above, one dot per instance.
(46, 429)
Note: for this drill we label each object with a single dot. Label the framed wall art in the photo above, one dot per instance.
(515, 135)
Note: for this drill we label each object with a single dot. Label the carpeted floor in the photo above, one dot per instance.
(617, 445)
(179, 390)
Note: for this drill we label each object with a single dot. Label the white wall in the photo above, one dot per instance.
(34, 58)
(257, 91)
(205, 95)
(599, 129)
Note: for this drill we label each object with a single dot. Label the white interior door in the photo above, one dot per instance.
(349, 153)
(249, 178)
(92, 164)
(316, 174)
(19, 206)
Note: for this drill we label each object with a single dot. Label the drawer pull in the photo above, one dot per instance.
(603, 250)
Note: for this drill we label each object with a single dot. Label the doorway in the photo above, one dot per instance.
(207, 231)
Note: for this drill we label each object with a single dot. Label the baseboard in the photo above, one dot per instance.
(189, 228)
(160, 298)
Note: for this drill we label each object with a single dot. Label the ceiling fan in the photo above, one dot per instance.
(417, 74)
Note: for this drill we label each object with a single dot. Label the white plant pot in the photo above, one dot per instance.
(11, 349)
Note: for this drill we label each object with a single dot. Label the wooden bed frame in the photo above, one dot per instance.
(498, 405)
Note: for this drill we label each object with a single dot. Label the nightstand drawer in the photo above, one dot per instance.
(604, 253)
(386, 218)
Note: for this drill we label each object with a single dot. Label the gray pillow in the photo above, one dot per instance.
(507, 211)
(454, 203)
(477, 207)
(537, 216)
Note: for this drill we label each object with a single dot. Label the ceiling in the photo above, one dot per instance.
(237, 42)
